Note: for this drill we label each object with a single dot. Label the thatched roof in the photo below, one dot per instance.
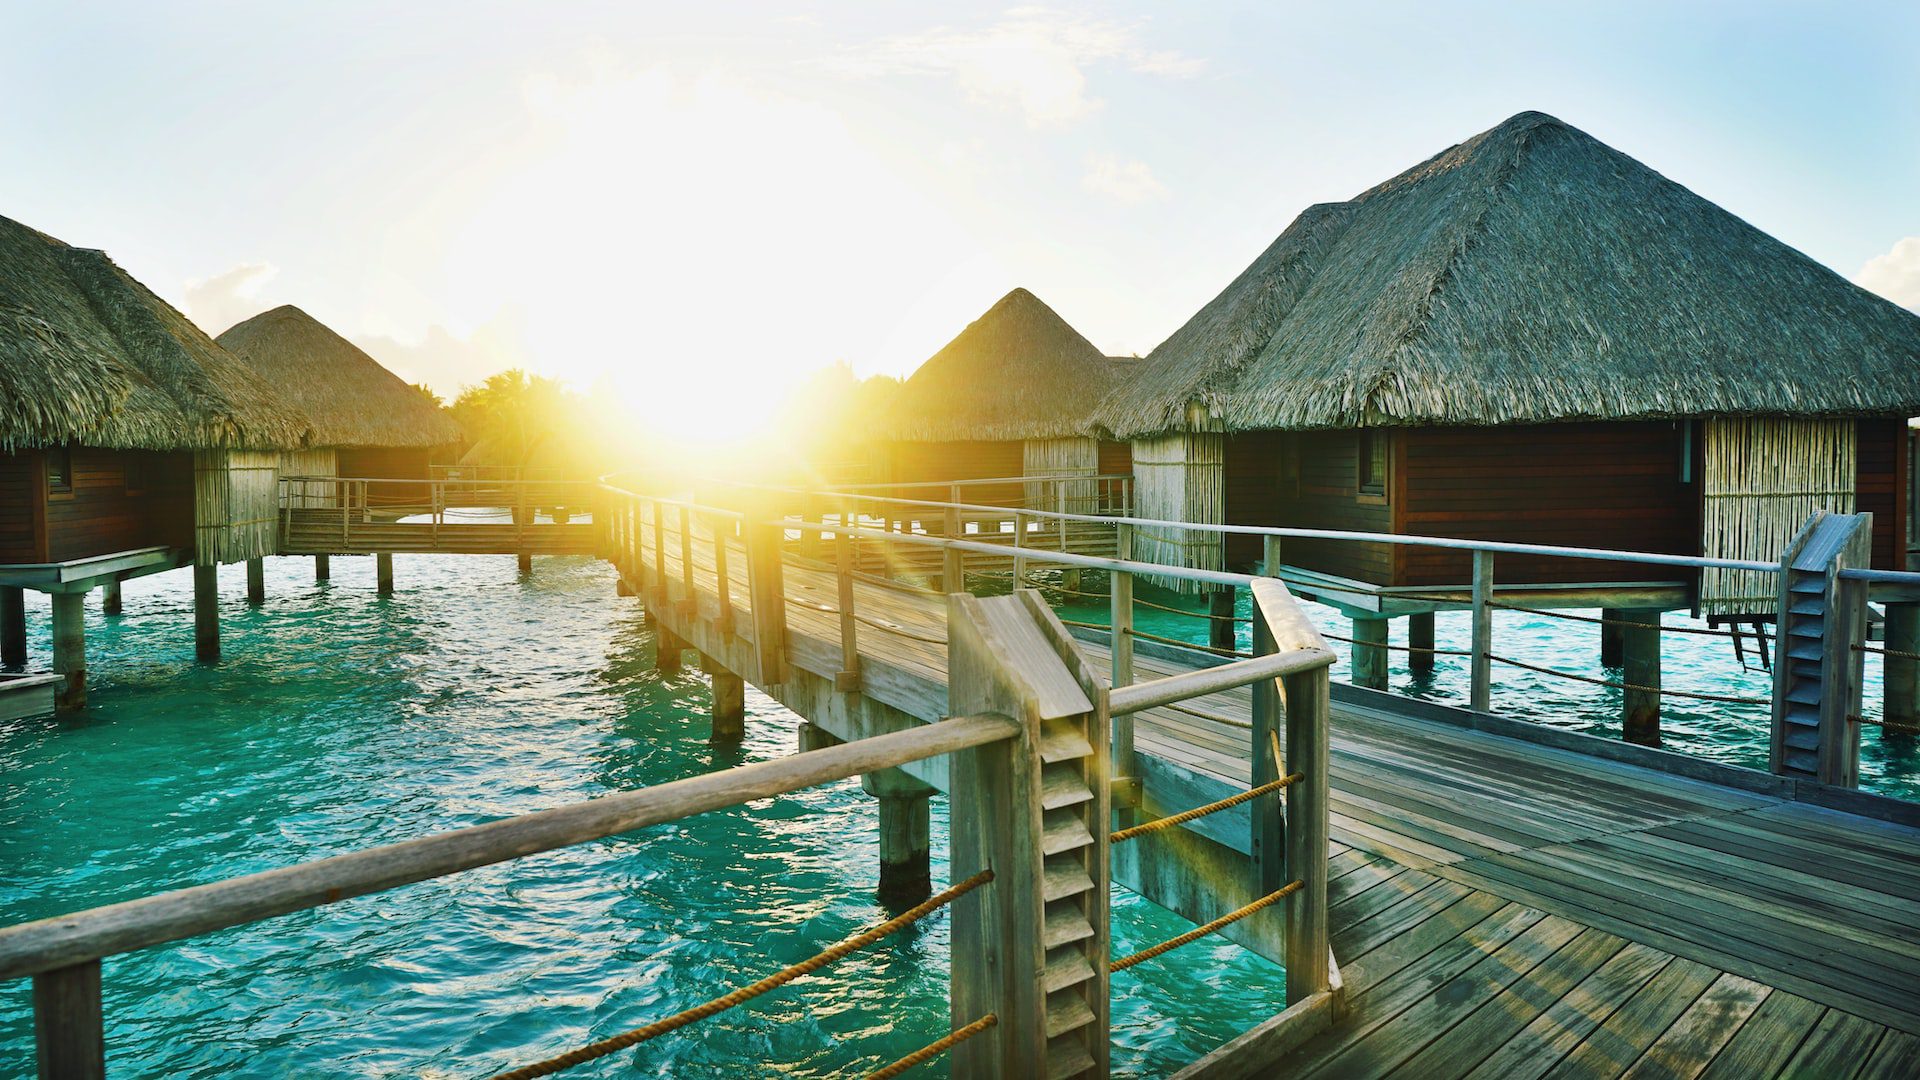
(1529, 274)
(89, 355)
(347, 396)
(1017, 372)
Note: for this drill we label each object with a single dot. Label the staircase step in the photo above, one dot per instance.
(1062, 740)
(1067, 1059)
(1063, 830)
(1063, 785)
(1065, 967)
(1066, 1011)
(1065, 876)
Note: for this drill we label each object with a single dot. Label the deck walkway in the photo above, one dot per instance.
(331, 532)
(1504, 908)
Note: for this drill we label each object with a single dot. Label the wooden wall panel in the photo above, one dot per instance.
(20, 501)
(1116, 458)
(102, 515)
(1881, 488)
(1307, 480)
(948, 461)
(1606, 485)
(383, 462)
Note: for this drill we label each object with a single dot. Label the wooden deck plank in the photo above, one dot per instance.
(1768, 1040)
(1837, 1047)
(1684, 1050)
(1620, 1039)
(1457, 1051)
(1562, 1026)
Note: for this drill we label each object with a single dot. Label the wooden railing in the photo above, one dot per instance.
(62, 955)
(993, 668)
(944, 543)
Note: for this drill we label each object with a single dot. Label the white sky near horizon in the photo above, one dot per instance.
(718, 199)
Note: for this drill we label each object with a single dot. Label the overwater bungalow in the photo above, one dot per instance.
(368, 423)
(1528, 337)
(130, 443)
(1009, 396)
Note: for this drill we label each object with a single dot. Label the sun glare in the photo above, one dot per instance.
(696, 247)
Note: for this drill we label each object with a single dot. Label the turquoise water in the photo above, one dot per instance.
(340, 720)
(1734, 734)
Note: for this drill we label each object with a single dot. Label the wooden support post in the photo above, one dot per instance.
(667, 647)
(906, 875)
(689, 596)
(722, 577)
(1120, 643)
(1220, 624)
(111, 602)
(1306, 701)
(70, 650)
(522, 517)
(953, 561)
(13, 627)
(847, 679)
(1420, 636)
(1268, 839)
(383, 573)
(1901, 674)
(206, 613)
(1019, 547)
(767, 589)
(729, 705)
(1640, 666)
(69, 1031)
(322, 568)
(660, 577)
(1370, 653)
(256, 582)
(1481, 691)
(815, 737)
(1611, 646)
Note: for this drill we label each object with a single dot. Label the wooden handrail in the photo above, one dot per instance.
(85, 936)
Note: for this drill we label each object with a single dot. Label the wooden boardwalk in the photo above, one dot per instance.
(1501, 907)
(330, 532)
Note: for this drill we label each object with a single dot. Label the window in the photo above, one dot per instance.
(59, 468)
(1373, 463)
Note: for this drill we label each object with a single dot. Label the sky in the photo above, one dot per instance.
(710, 201)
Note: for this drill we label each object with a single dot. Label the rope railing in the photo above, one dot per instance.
(1728, 699)
(1199, 932)
(1897, 654)
(1214, 807)
(935, 1049)
(622, 1041)
(1430, 651)
(1622, 623)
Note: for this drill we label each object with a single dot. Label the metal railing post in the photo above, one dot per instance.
(1481, 691)
(1120, 645)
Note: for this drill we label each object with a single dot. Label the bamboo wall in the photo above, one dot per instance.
(1762, 479)
(1062, 457)
(311, 463)
(236, 504)
(1179, 477)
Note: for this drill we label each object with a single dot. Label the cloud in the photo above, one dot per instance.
(228, 297)
(1032, 60)
(446, 361)
(1126, 182)
(1895, 275)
